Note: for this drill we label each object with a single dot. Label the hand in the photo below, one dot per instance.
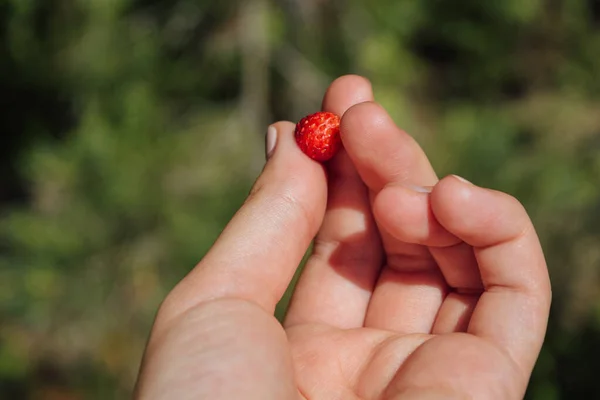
(436, 291)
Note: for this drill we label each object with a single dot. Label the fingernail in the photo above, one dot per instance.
(462, 179)
(420, 189)
(271, 141)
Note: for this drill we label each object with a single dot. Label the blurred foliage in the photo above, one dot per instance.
(132, 131)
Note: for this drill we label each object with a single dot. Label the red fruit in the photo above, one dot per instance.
(318, 135)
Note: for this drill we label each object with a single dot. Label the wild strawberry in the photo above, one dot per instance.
(318, 135)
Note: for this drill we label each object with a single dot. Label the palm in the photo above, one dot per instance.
(376, 364)
(413, 327)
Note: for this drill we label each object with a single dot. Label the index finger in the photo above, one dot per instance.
(337, 281)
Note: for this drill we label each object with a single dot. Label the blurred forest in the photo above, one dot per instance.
(133, 129)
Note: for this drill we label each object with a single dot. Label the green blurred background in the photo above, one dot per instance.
(133, 129)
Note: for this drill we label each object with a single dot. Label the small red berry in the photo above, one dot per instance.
(318, 135)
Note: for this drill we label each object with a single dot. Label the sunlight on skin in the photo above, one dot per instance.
(380, 281)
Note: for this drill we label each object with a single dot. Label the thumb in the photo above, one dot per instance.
(258, 252)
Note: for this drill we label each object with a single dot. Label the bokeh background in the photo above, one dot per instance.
(133, 129)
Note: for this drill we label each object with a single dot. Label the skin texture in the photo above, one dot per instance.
(418, 288)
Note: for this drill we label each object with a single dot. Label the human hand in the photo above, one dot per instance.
(411, 292)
